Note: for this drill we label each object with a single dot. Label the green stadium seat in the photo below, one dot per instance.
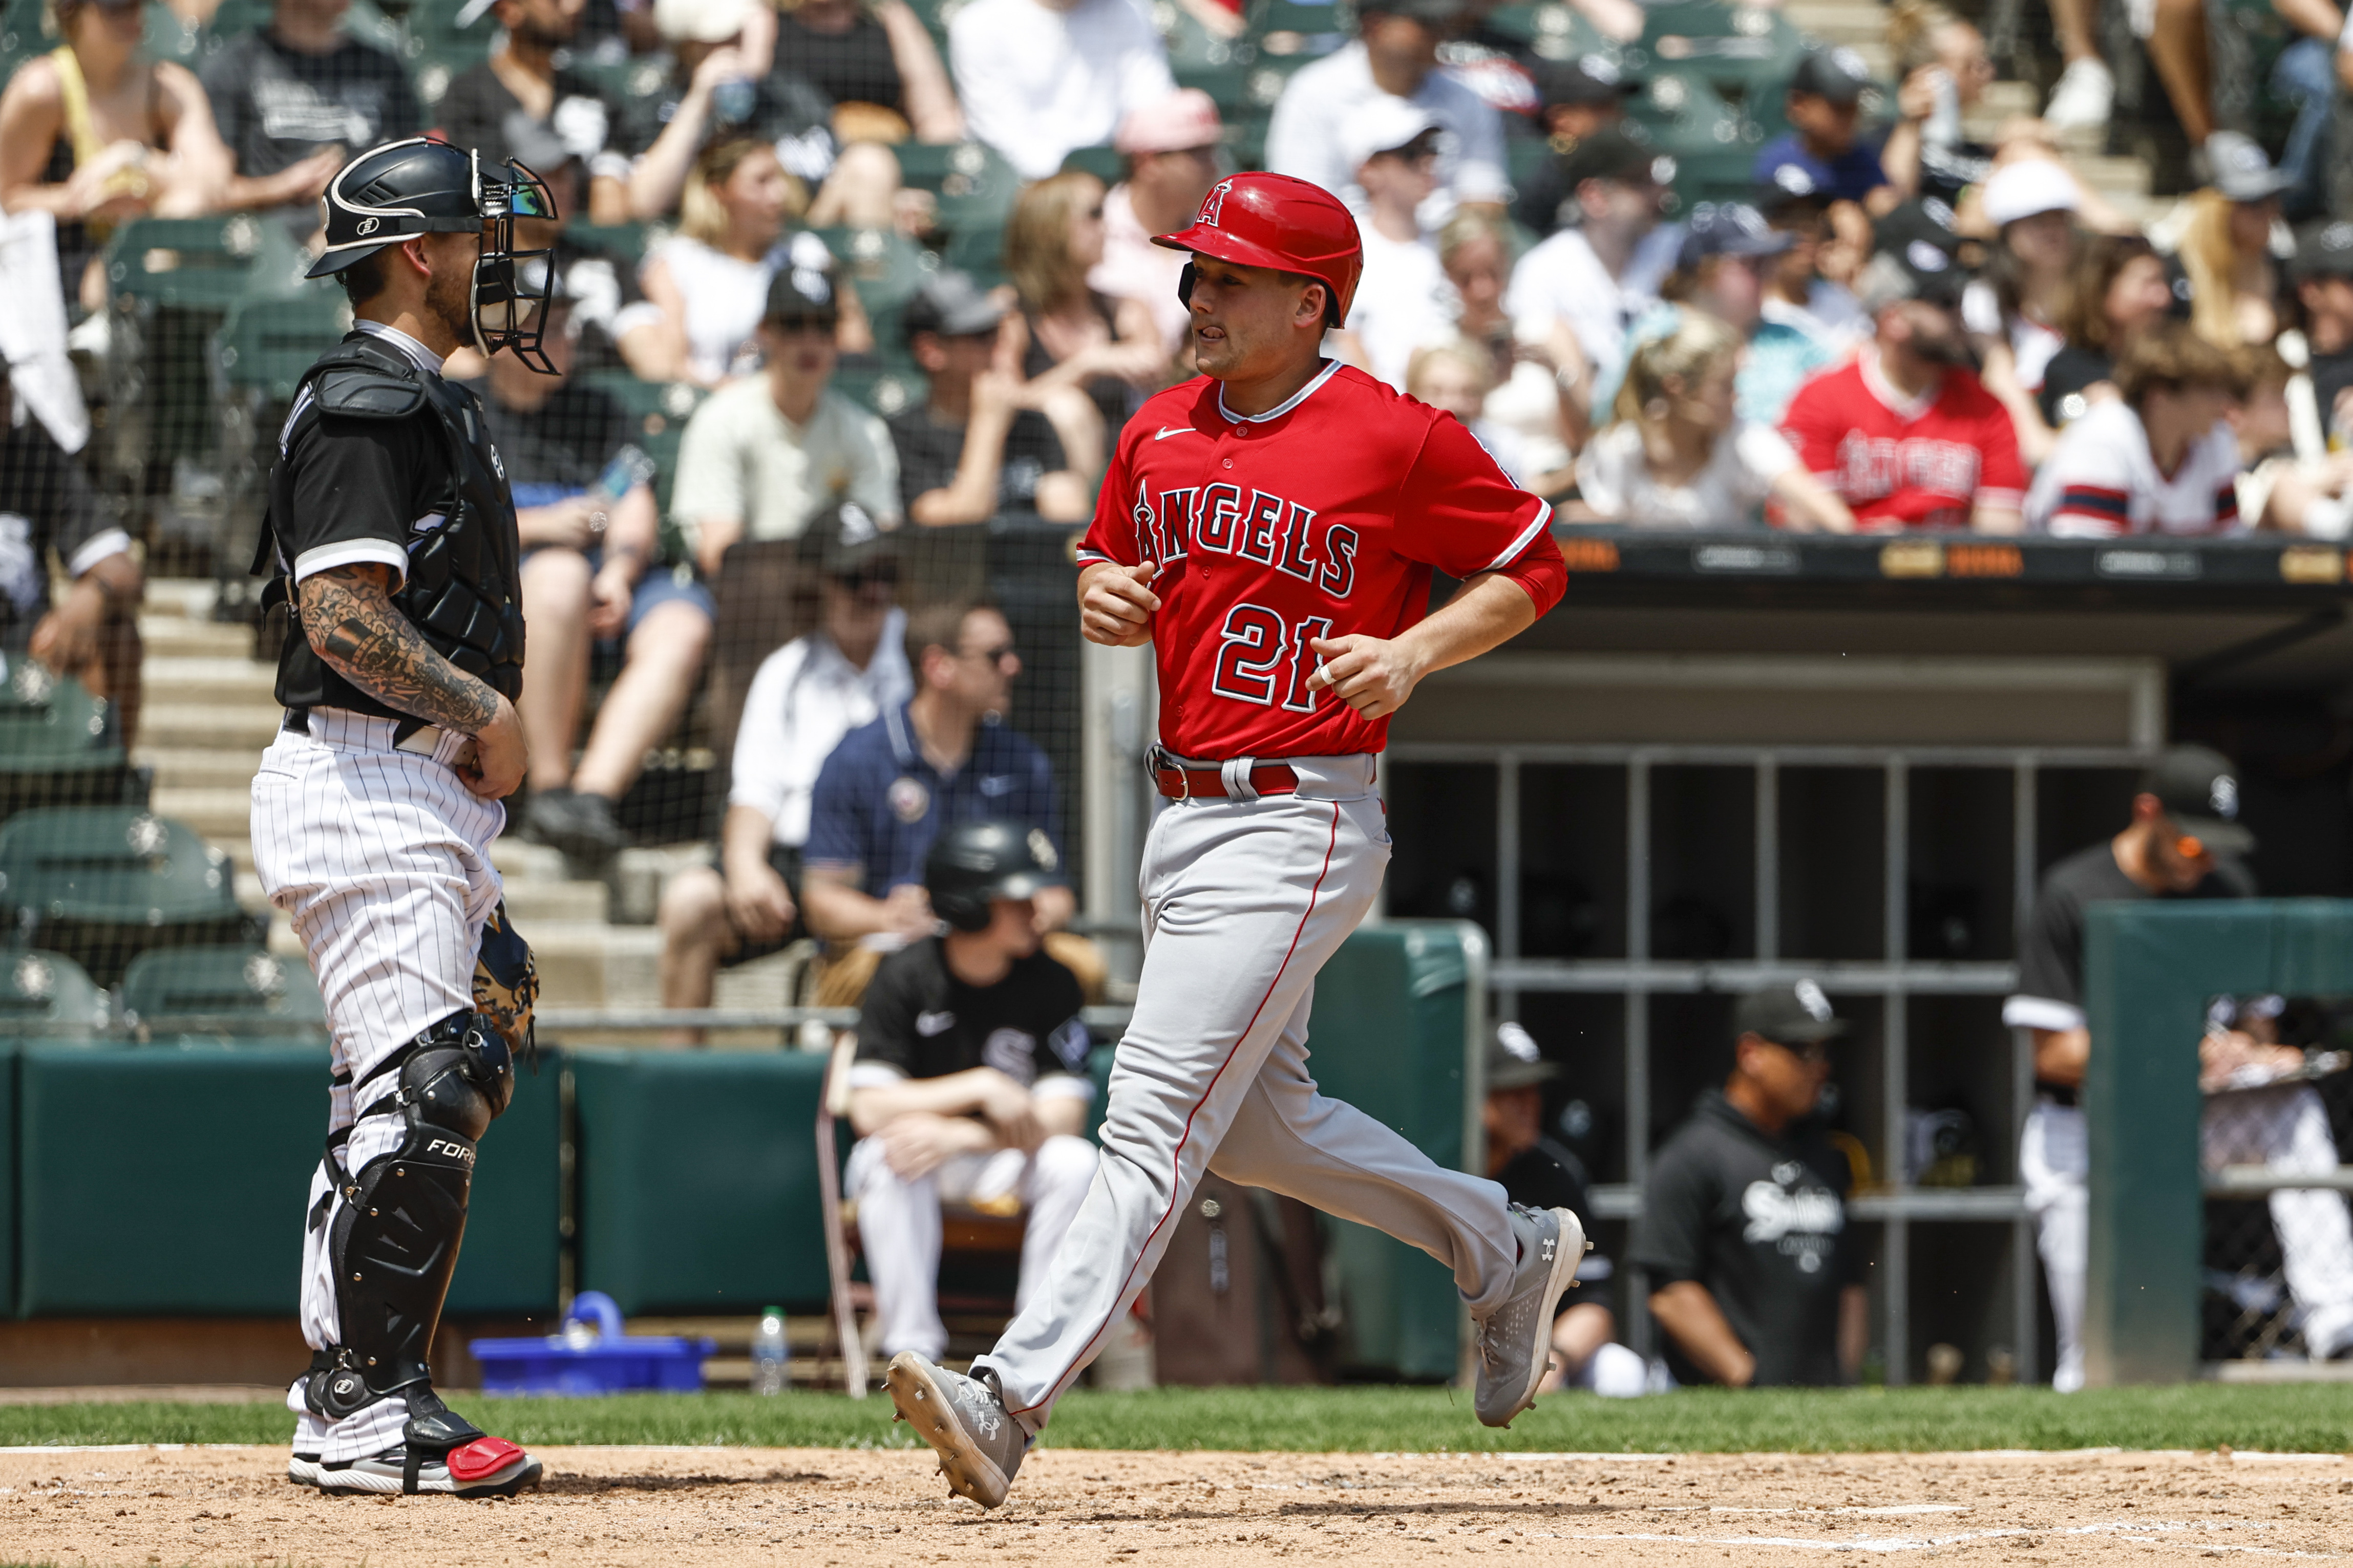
(104, 884)
(58, 744)
(237, 992)
(886, 268)
(1103, 162)
(1315, 18)
(47, 995)
(203, 263)
(658, 413)
(619, 240)
(887, 391)
(267, 343)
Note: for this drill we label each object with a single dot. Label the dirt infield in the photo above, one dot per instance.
(812, 1508)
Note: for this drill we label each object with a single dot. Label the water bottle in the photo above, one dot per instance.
(771, 1358)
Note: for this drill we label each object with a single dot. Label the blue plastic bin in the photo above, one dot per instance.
(609, 1363)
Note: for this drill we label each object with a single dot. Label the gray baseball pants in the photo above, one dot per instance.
(1244, 898)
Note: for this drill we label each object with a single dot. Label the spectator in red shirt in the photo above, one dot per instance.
(1906, 433)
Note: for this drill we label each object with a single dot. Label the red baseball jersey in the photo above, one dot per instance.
(1319, 519)
(1905, 462)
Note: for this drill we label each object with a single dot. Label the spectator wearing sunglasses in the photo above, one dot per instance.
(1753, 1275)
(948, 754)
(766, 452)
(803, 700)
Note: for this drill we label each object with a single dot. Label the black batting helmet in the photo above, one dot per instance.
(973, 862)
(404, 189)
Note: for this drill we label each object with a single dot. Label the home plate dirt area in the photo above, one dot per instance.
(830, 1508)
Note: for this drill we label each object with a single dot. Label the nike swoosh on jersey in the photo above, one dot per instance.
(1168, 430)
(930, 1023)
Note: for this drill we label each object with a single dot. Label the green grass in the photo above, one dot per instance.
(2313, 1418)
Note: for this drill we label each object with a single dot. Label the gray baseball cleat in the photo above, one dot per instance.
(1516, 1339)
(980, 1445)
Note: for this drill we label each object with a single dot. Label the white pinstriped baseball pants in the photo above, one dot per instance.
(1243, 902)
(380, 859)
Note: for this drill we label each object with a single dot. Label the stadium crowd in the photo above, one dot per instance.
(1866, 321)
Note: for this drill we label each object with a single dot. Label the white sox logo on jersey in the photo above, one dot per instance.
(1264, 527)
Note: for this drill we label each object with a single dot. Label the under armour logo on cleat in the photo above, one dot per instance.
(1547, 1250)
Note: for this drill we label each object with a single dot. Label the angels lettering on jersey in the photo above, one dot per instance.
(1319, 518)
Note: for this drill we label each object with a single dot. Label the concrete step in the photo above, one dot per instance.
(190, 598)
(178, 637)
(220, 813)
(243, 727)
(199, 767)
(1851, 22)
(205, 682)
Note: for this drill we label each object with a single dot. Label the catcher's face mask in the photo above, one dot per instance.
(511, 287)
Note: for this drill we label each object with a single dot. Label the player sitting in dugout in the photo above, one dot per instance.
(1753, 1275)
(970, 1085)
(1537, 1170)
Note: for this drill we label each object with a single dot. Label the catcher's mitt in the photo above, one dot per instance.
(506, 985)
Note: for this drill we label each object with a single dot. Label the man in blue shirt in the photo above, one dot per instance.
(945, 756)
(1825, 111)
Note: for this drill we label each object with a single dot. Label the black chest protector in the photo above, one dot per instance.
(463, 585)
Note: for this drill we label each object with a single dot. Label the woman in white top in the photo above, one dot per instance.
(706, 286)
(1533, 367)
(1676, 453)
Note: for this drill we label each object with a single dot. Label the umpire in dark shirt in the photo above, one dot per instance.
(1539, 1170)
(1753, 1274)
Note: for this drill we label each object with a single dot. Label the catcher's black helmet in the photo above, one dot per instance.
(402, 189)
(973, 862)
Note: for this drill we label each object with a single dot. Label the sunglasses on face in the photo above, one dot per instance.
(1812, 1052)
(796, 325)
(996, 655)
(858, 582)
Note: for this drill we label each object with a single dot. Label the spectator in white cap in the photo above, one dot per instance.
(1401, 301)
(2232, 244)
(1395, 52)
(1039, 78)
(2013, 312)
(1171, 146)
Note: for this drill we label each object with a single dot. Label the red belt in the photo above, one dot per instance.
(1210, 783)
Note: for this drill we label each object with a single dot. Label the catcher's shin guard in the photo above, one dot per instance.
(394, 1228)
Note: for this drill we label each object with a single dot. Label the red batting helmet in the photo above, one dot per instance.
(1272, 220)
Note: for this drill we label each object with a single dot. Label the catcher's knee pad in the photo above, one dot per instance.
(392, 1241)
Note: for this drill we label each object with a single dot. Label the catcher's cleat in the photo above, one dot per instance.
(980, 1447)
(1516, 1339)
(487, 1466)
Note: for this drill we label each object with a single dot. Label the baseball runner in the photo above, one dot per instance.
(390, 537)
(1270, 527)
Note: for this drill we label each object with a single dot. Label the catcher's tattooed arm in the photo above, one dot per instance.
(348, 618)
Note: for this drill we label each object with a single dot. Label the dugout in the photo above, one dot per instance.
(1729, 759)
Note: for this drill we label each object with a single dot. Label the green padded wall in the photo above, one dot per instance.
(170, 1181)
(1388, 1035)
(511, 1262)
(7, 1178)
(698, 1179)
(2149, 970)
(164, 1180)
